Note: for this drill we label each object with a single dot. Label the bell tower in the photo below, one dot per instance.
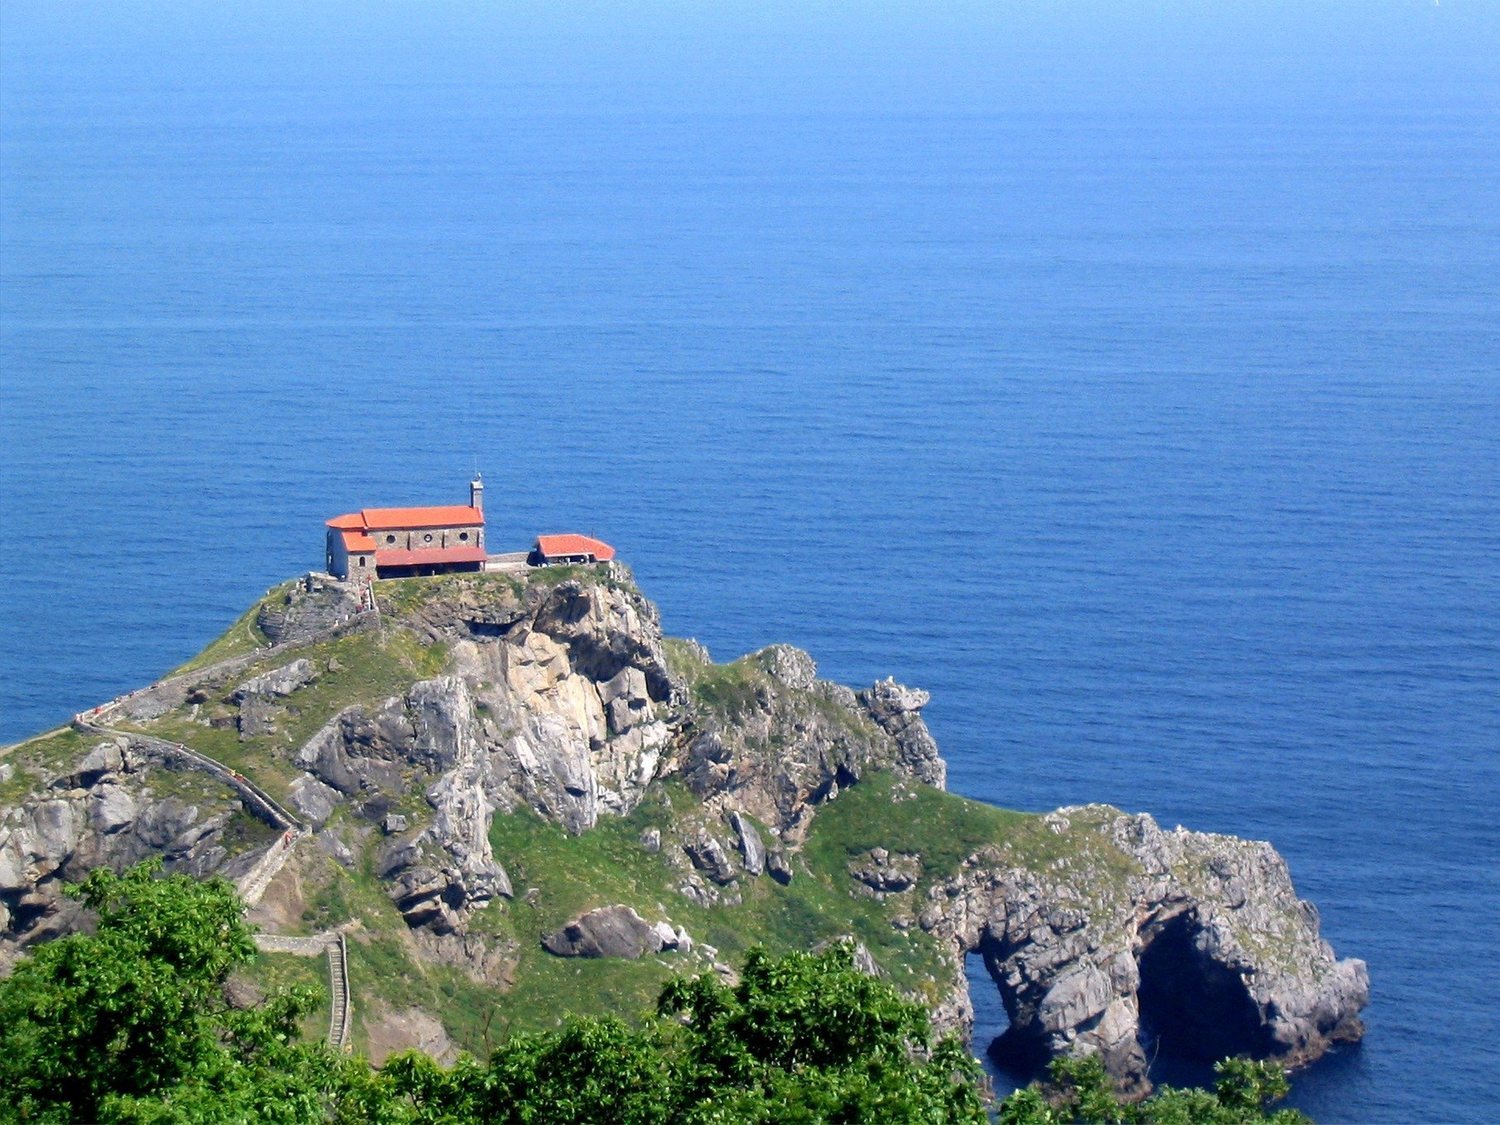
(476, 493)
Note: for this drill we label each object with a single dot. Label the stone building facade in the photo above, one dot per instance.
(405, 542)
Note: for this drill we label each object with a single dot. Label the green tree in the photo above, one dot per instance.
(801, 1038)
(808, 1037)
(1080, 1093)
(130, 1022)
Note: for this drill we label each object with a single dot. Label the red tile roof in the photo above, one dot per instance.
(396, 519)
(358, 541)
(430, 555)
(408, 519)
(560, 546)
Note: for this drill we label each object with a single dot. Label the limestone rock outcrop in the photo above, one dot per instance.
(1196, 939)
(898, 711)
(258, 696)
(883, 872)
(314, 605)
(782, 742)
(117, 805)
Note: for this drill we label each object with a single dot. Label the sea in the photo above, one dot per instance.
(1127, 376)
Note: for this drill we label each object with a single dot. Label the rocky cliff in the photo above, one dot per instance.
(515, 794)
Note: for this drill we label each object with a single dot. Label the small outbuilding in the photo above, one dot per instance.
(553, 549)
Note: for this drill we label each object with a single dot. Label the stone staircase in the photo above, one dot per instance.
(341, 1010)
(335, 946)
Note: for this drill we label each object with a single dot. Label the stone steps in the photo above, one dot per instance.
(341, 1009)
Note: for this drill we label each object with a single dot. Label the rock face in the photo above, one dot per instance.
(825, 737)
(558, 699)
(885, 873)
(1200, 941)
(258, 696)
(318, 603)
(752, 851)
(116, 805)
(898, 710)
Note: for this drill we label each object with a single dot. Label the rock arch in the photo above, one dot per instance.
(1192, 1005)
(1137, 935)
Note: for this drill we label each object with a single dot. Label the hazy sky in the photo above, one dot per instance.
(788, 54)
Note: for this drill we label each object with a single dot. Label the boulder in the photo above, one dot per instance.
(610, 931)
(627, 703)
(778, 867)
(708, 855)
(279, 681)
(313, 800)
(752, 851)
(885, 873)
(111, 808)
(102, 760)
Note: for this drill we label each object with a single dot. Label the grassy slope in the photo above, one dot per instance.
(243, 637)
(609, 865)
(364, 668)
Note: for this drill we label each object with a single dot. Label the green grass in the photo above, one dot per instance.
(731, 690)
(38, 759)
(274, 972)
(595, 574)
(608, 865)
(684, 658)
(945, 829)
(372, 667)
(382, 964)
(398, 597)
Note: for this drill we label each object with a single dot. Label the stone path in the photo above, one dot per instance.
(342, 1010)
(171, 692)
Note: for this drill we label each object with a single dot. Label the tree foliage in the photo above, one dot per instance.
(1080, 1093)
(800, 1038)
(131, 1024)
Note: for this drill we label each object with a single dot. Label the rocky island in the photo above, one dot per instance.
(498, 798)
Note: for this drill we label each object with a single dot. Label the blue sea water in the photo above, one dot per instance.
(1133, 386)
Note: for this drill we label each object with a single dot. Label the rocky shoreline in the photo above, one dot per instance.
(560, 700)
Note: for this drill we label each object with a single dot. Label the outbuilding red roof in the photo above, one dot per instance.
(561, 546)
(427, 556)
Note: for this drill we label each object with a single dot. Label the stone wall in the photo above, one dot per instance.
(420, 539)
